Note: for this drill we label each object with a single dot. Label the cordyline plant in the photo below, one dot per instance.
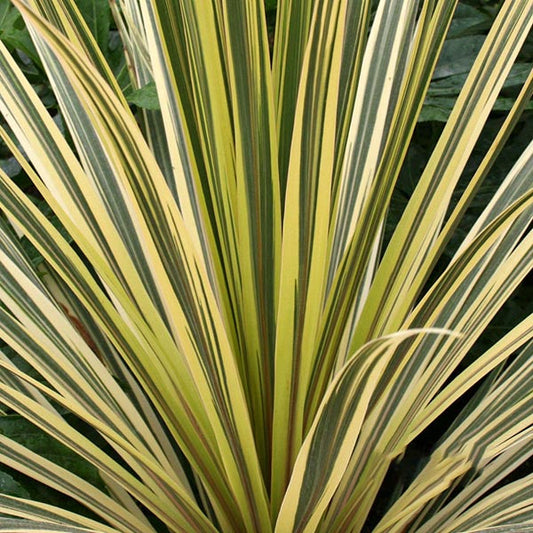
(218, 324)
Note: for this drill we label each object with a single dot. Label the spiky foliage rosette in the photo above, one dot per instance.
(219, 326)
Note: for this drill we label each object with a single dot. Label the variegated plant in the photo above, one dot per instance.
(219, 303)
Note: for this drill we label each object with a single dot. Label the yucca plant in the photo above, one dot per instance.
(218, 324)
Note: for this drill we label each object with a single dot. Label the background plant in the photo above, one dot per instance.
(226, 318)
